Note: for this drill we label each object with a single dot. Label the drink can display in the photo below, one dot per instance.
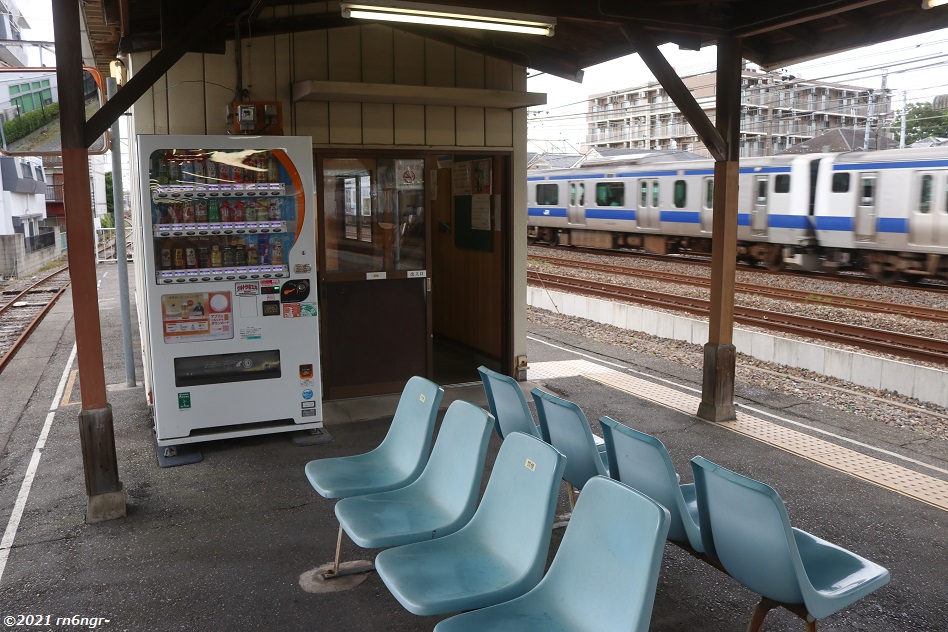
(252, 258)
(174, 171)
(174, 212)
(190, 258)
(260, 163)
(200, 211)
(204, 257)
(216, 260)
(240, 255)
(187, 212)
(274, 212)
(228, 256)
(250, 211)
(263, 210)
(273, 171)
(237, 174)
(187, 171)
(227, 213)
(213, 173)
(263, 249)
(276, 252)
(166, 258)
(239, 207)
(197, 166)
(179, 258)
(214, 211)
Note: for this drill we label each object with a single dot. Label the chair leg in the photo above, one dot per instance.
(760, 612)
(352, 568)
(571, 494)
(335, 564)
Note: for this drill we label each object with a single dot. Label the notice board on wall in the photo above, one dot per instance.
(471, 188)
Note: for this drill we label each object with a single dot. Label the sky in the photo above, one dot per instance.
(915, 65)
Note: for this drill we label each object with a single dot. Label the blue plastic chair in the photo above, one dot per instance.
(395, 463)
(746, 524)
(565, 427)
(440, 501)
(507, 404)
(641, 461)
(500, 554)
(604, 574)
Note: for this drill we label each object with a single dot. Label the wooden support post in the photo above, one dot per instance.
(717, 391)
(106, 499)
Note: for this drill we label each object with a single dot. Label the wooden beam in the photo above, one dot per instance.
(191, 31)
(345, 91)
(642, 41)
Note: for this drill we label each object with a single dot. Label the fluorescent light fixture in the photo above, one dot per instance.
(460, 17)
(931, 4)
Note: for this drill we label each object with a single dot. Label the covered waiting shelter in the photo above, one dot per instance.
(769, 34)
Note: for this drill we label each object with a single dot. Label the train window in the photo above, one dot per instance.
(572, 194)
(840, 182)
(681, 193)
(762, 191)
(548, 195)
(925, 195)
(610, 194)
(643, 201)
(655, 194)
(867, 190)
(582, 194)
(709, 193)
(782, 183)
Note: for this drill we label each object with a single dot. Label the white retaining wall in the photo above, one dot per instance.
(922, 383)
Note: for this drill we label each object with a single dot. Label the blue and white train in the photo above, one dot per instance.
(885, 212)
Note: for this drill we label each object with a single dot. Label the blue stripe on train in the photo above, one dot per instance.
(610, 213)
(897, 225)
(544, 211)
(906, 164)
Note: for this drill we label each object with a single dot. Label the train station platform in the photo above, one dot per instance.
(226, 543)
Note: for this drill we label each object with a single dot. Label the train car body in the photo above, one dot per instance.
(884, 211)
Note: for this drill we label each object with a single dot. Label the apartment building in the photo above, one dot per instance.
(778, 111)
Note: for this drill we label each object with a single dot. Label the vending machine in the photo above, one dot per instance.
(226, 282)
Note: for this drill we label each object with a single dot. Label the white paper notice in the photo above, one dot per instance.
(461, 178)
(480, 212)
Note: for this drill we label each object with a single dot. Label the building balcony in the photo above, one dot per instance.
(54, 193)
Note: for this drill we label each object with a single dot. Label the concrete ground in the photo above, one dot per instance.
(222, 544)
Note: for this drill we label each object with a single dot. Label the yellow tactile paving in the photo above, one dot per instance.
(924, 488)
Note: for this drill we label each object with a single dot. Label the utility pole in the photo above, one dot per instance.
(865, 138)
(904, 113)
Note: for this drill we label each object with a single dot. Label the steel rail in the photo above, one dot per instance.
(783, 294)
(902, 345)
(37, 318)
(46, 278)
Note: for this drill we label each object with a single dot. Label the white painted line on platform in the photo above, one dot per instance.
(14, 523)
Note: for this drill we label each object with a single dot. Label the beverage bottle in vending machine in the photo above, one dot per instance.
(163, 171)
(252, 259)
(216, 260)
(212, 170)
(239, 211)
(229, 256)
(273, 170)
(274, 214)
(204, 257)
(200, 211)
(276, 252)
(179, 259)
(213, 211)
(187, 212)
(227, 214)
(166, 259)
(263, 249)
(174, 170)
(190, 258)
(250, 211)
(197, 166)
(240, 254)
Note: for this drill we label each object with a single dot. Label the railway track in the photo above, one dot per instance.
(783, 294)
(897, 344)
(705, 262)
(21, 312)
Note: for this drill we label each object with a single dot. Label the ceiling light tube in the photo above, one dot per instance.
(459, 17)
(930, 4)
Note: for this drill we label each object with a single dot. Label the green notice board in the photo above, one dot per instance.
(471, 188)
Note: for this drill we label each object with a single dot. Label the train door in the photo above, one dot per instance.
(648, 212)
(576, 212)
(923, 222)
(759, 214)
(707, 205)
(865, 224)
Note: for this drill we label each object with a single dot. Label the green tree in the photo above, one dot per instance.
(110, 206)
(921, 121)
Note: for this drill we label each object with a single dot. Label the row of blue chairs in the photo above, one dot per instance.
(452, 554)
(739, 524)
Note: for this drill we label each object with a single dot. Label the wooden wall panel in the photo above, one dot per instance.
(345, 123)
(409, 124)
(469, 69)
(409, 59)
(469, 124)
(310, 55)
(439, 64)
(498, 127)
(345, 54)
(439, 125)
(186, 95)
(144, 109)
(378, 63)
(220, 73)
(499, 74)
(378, 121)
